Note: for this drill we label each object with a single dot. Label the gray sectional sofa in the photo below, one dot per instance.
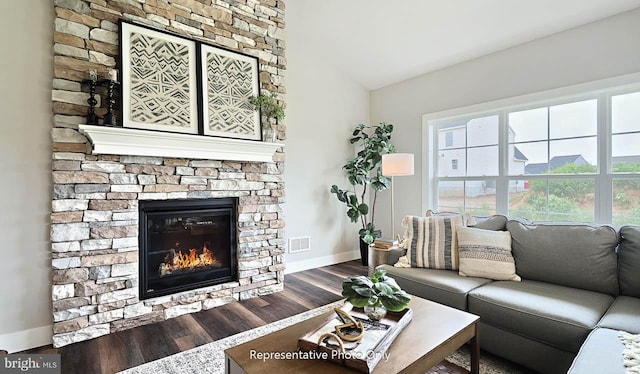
(580, 286)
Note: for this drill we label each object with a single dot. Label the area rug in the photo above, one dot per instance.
(209, 358)
(631, 353)
(489, 364)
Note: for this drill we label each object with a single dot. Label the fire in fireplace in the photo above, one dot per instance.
(177, 262)
(186, 244)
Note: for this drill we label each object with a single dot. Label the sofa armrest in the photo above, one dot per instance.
(395, 254)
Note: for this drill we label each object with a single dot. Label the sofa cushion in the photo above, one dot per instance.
(624, 314)
(496, 222)
(442, 286)
(486, 254)
(556, 315)
(431, 242)
(540, 357)
(629, 261)
(600, 353)
(573, 255)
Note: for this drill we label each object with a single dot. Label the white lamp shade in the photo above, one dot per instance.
(397, 164)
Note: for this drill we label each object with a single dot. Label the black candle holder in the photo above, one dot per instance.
(110, 118)
(92, 117)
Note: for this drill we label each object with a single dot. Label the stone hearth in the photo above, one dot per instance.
(94, 220)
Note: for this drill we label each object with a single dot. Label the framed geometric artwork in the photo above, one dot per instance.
(159, 82)
(229, 80)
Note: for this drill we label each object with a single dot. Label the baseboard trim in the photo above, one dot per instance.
(26, 339)
(312, 263)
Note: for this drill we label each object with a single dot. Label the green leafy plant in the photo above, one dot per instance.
(268, 106)
(379, 289)
(570, 188)
(364, 172)
(627, 167)
(621, 198)
(635, 214)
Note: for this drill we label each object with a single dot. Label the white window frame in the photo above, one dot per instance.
(601, 90)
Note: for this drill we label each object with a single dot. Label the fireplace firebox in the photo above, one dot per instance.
(186, 244)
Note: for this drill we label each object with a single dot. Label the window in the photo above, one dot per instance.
(566, 160)
(448, 136)
(475, 156)
(625, 158)
(554, 140)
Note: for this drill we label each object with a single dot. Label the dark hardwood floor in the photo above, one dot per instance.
(115, 352)
(122, 350)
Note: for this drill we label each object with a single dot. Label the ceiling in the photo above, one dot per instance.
(380, 42)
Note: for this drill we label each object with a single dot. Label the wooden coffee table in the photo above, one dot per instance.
(435, 332)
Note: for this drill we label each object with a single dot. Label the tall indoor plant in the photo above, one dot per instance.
(364, 173)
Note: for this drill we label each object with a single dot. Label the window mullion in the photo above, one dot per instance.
(466, 166)
(502, 182)
(430, 168)
(604, 189)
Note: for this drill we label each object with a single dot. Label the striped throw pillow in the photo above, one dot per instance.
(486, 254)
(431, 242)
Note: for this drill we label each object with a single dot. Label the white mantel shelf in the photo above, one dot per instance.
(125, 141)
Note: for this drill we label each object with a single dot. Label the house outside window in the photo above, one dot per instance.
(448, 139)
(575, 159)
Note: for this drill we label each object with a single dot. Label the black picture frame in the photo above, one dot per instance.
(227, 79)
(159, 89)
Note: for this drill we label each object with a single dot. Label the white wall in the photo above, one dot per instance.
(323, 107)
(599, 50)
(26, 28)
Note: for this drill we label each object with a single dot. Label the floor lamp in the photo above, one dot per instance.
(396, 165)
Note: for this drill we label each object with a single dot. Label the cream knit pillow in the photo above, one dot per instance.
(486, 254)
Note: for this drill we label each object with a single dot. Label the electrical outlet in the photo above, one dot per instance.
(299, 244)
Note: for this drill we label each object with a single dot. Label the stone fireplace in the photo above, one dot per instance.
(104, 197)
(96, 243)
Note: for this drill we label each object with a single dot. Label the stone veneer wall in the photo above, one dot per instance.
(94, 220)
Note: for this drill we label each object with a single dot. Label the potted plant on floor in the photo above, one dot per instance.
(364, 173)
(376, 294)
(271, 109)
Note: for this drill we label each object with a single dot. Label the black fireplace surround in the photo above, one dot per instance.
(186, 244)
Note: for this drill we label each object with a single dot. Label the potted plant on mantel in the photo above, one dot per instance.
(364, 172)
(270, 109)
